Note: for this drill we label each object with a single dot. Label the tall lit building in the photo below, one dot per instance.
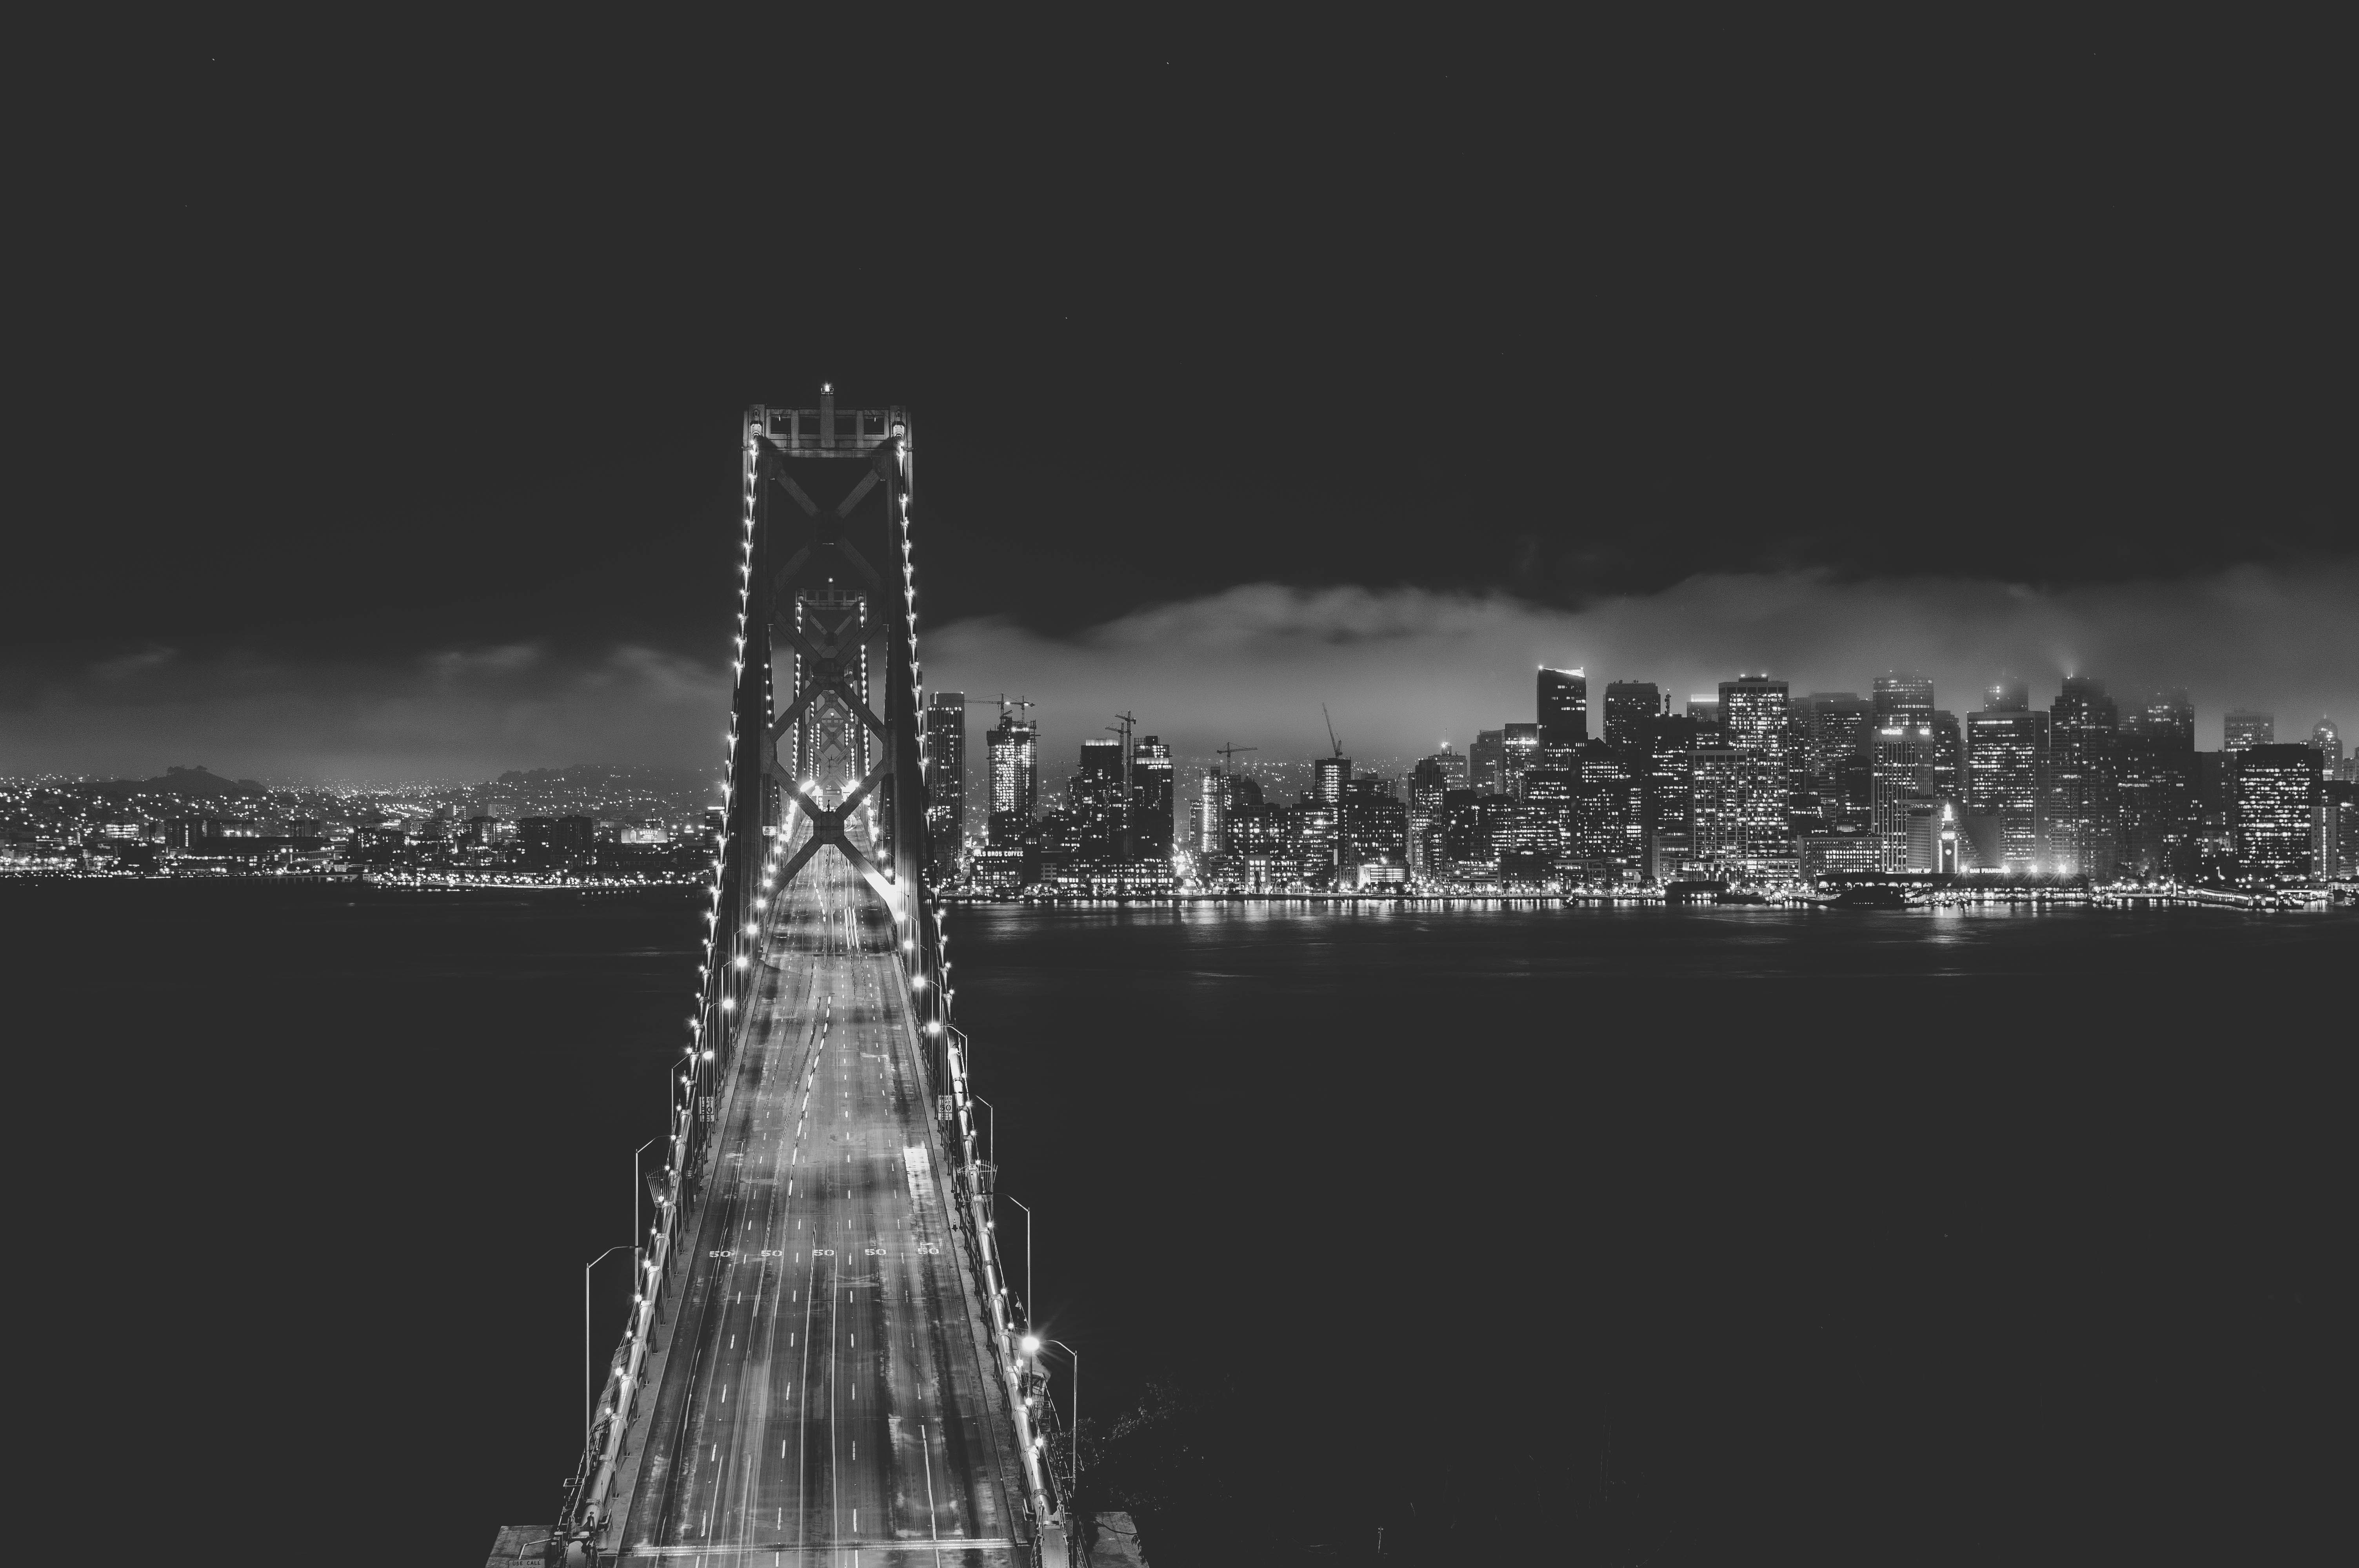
(1903, 697)
(1101, 812)
(2154, 783)
(1666, 789)
(2277, 793)
(1717, 781)
(1704, 710)
(1519, 753)
(1211, 813)
(1154, 802)
(2081, 812)
(2328, 742)
(1631, 709)
(2006, 766)
(1484, 759)
(1563, 701)
(1608, 819)
(2245, 727)
(2277, 790)
(1836, 728)
(1014, 747)
(1904, 777)
(1330, 778)
(1754, 720)
(945, 779)
(1428, 788)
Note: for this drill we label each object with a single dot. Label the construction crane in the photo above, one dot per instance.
(1331, 730)
(1226, 754)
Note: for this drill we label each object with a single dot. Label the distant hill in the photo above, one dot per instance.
(198, 783)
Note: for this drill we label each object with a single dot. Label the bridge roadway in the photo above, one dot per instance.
(825, 1395)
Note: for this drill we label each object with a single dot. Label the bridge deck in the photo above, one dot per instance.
(825, 1395)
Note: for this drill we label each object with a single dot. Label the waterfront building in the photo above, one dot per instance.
(1153, 786)
(2081, 813)
(2277, 789)
(1904, 773)
(1718, 777)
(2006, 764)
(1375, 830)
(1608, 828)
(1665, 796)
(2154, 783)
(1014, 751)
(1095, 797)
(1754, 720)
(1211, 835)
(1563, 707)
(1536, 827)
(945, 781)
(1429, 783)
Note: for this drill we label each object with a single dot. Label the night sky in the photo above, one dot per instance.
(375, 391)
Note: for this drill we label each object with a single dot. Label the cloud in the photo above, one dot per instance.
(447, 713)
(1403, 669)
(1399, 669)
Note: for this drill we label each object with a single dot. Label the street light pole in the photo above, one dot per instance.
(990, 1133)
(587, 1396)
(1019, 1203)
(638, 1181)
(1074, 1397)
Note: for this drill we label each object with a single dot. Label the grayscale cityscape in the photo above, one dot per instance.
(1596, 806)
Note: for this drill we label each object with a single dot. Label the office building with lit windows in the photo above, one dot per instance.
(1904, 775)
(1563, 707)
(2081, 813)
(2243, 728)
(2006, 758)
(945, 780)
(2277, 790)
(1015, 748)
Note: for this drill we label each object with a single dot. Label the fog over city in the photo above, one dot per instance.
(1400, 669)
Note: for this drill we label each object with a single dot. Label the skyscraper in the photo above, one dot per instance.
(1753, 715)
(1153, 788)
(2154, 783)
(1631, 709)
(2083, 814)
(2328, 742)
(1211, 813)
(1330, 777)
(1904, 775)
(945, 779)
(1519, 753)
(1903, 697)
(1703, 709)
(1563, 707)
(2006, 758)
(2245, 727)
(1835, 732)
(1098, 804)
(2277, 790)
(1014, 747)
(1483, 760)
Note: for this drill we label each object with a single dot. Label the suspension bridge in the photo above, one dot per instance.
(822, 1363)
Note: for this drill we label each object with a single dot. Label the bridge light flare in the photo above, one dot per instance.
(1029, 1345)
